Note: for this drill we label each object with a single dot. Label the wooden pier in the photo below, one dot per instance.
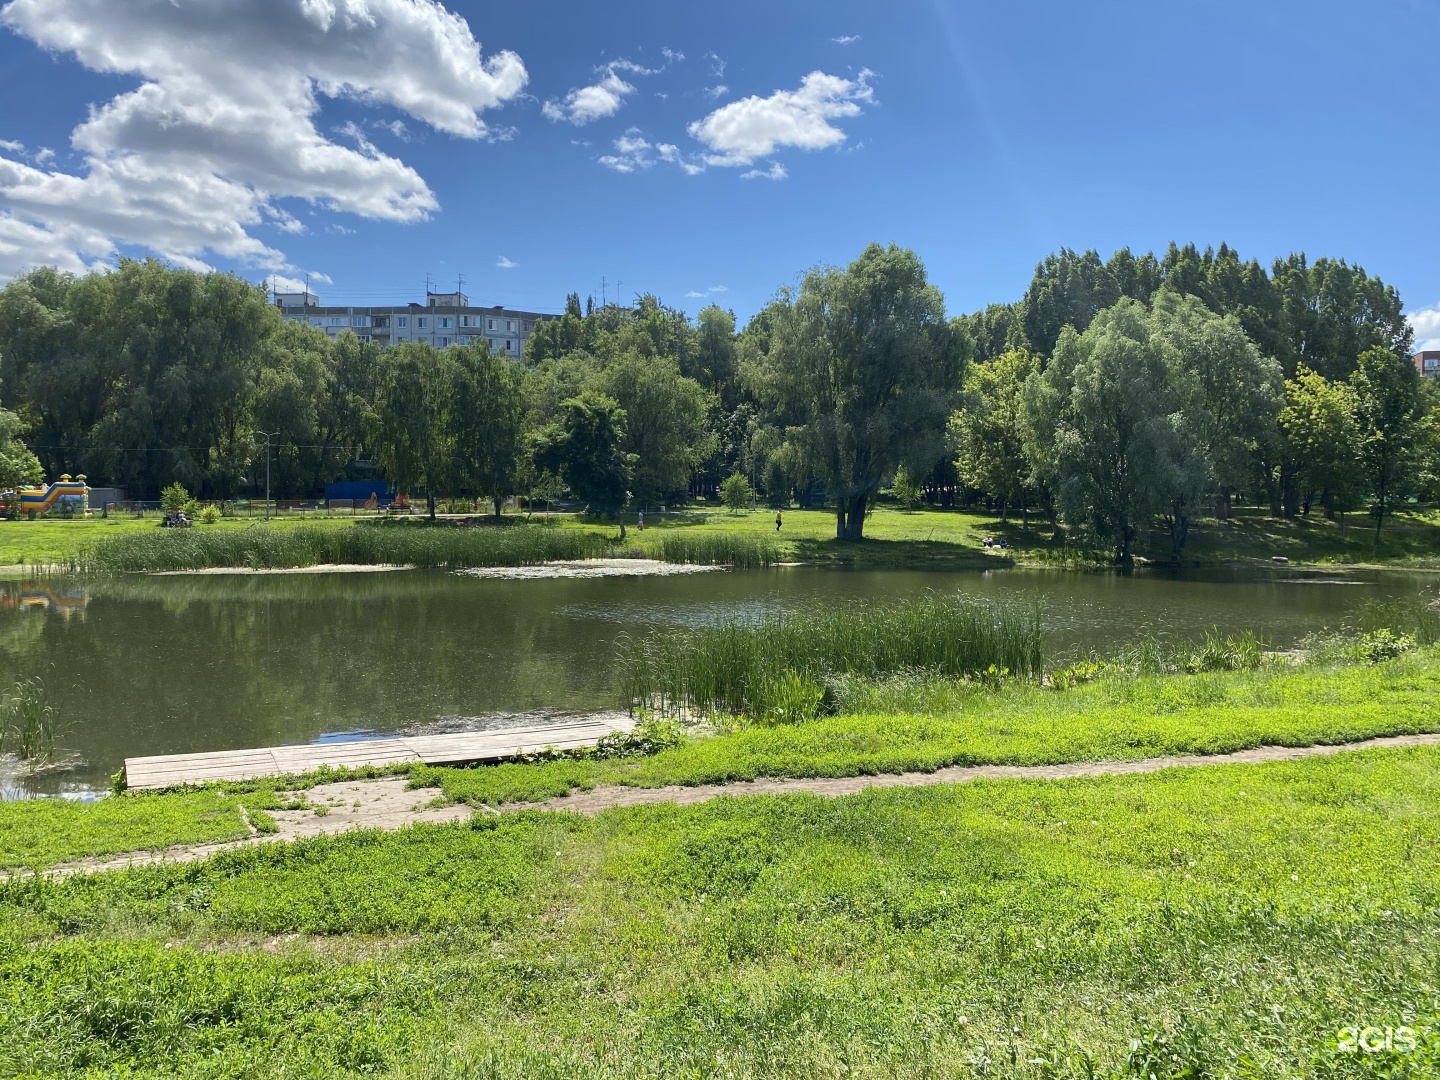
(465, 748)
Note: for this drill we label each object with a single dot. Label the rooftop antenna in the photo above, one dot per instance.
(603, 302)
(427, 288)
(618, 283)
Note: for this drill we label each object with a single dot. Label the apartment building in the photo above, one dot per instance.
(1427, 362)
(444, 319)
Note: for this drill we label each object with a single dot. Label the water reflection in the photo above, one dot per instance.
(152, 665)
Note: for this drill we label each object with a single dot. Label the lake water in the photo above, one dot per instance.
(157, 665)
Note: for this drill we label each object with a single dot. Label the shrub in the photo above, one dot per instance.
(1380, 645)
(905, 489)
(209, 515)
(174, 498)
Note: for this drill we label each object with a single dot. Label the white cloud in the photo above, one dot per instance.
(754, 127)
(1426, 324)
(717, 91)
(671, 55)
(718, 288)
(44, 155)
(632, 152)
(505, 264)
(221, 126)
(717, 65)
(600, 99)
(846, 39)
(339, 230)
(776, 171)
(10, 146)
(671, 153)
(693, 295)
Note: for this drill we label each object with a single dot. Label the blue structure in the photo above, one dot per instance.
(359, 491)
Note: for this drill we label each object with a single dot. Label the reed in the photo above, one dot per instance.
(775, 669)
(262, 547)
(736, 550)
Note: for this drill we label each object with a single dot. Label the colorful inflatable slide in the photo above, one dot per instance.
(65, 493)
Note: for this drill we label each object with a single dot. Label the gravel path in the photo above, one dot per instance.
(385, 804)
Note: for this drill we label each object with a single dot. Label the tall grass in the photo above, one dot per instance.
(713, 549)
(29, 725)
(774, 669)
(260, 547)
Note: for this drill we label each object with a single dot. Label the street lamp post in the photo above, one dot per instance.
(268, 436)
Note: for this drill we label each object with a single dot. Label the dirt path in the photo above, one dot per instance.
(385, 804)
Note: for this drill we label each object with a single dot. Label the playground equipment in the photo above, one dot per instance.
(65, 493)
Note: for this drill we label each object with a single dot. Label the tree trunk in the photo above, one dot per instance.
(855, 518)
(839, 519)
(1127, 541)
(1223, 506)
(497, 501)
(1289, 492)
(620, 517)
(1004, 511)
(430, 504)
(1179, 533)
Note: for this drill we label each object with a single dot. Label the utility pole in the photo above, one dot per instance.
(268, 436)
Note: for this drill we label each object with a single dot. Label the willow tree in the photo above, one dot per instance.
(866, 355)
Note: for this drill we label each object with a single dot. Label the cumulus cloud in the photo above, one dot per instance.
(598, 100)
(753, 128)
(1426, 324)
(222, 125)
(632, 152)
(505, 264)
(671, 153)
(776, 171)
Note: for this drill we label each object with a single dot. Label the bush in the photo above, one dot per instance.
(209, 515)
(905, 490)
(1380, 645)
(175, 499)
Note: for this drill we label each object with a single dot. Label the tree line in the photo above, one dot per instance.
(1111, 393)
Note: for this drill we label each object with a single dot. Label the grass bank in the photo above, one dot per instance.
(920, 722)
(1229, 922)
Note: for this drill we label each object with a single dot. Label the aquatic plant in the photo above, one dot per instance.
(741, 668)
(738, 550)
(262, 547)
(29, 725)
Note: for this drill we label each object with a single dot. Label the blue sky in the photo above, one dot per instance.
(711, 153)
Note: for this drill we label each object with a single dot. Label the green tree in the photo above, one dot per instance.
(904, 488)
(1099, 427)
(736, 493)
(586, 450)
(1228, 398)
(1320, 440)
(1388, 414)
(715, 365)
(665, 422)
(18, 466)
(485, 422)
(987, 432)
(409, 425)
(870, 365)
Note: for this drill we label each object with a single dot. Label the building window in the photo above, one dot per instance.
(443, 322)
(444, 342)
(364, 337)
(315, 320)
(507, 346)
(491, 326)
(360, 320)
(509, 326)
(420, 321)
(402, 322)
(337, 320)
(1432, 363)
(465, 320)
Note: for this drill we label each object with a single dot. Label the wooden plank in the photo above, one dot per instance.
(172, 769)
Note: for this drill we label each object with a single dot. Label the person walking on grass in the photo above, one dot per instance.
(778, 521)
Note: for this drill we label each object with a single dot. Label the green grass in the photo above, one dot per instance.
(759, 668)
(1225, 922)
(923, 723)
(922, 538)
(43, 832)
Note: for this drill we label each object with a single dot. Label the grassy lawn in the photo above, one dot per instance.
(918, 539)
(1224, 922)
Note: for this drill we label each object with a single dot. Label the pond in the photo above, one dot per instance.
(156, 665)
